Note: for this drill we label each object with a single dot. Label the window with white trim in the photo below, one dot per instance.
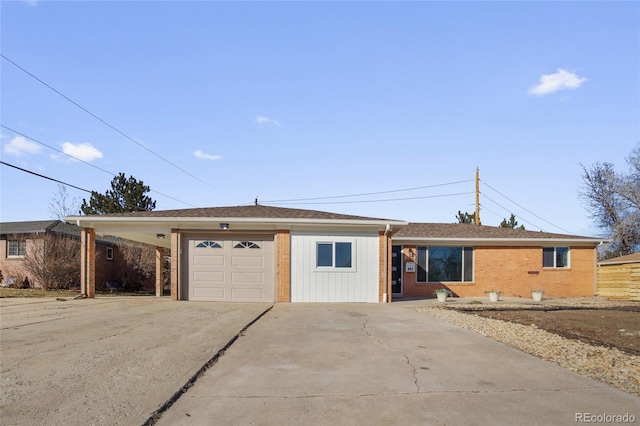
(334, 255)
(16, 248)
(444, 264)
(555, 257)
(109, 253)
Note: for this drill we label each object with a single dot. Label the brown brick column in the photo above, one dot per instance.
(283, 265)
(175, 252)
(384, 268)
(88, 262)
(159, 258)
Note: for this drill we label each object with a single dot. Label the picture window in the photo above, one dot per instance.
(444, 264)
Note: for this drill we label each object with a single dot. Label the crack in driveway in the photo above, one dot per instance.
(155, 416)
(413, 373)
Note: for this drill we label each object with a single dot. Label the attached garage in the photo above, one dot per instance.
(255, 253)
(239, 268)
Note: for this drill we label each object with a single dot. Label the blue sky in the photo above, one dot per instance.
(220, 102)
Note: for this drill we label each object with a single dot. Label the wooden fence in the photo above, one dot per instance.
(619, 281)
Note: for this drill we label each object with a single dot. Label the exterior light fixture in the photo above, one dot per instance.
(160, 236)
(224, 226)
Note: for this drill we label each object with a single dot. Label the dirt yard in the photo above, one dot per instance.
(619, 328)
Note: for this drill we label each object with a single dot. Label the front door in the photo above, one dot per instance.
(396, 270)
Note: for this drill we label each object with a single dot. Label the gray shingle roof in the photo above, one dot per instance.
(48, 226)
(629, 258)
(252, 211)
(27, 227)
(471, 231)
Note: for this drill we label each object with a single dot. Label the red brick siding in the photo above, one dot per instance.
(514, 271)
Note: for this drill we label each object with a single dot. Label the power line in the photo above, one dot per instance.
(368, 193)
(108, 124)
(44, 177)
(56, 149)
(524, 208)
(376, 201)
(506, 209)
(85, 162)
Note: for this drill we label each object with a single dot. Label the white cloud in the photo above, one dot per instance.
(551, 83)
(19, 146)
(204, 156)
(81, 151)
(266, 120)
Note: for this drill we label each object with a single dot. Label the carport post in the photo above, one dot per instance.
(159, 257)
(88, 262)
(175, 258)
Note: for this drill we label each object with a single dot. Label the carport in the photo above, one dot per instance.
(255, 253)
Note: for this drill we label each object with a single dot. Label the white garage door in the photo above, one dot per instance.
(238, 269)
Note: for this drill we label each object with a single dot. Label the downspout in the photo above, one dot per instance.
(386, 265)
(595, 270)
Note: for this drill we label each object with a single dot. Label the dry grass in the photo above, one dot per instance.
(32, 292)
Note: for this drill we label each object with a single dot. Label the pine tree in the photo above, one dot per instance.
(125, 195)
(512, 223)
(466, 217)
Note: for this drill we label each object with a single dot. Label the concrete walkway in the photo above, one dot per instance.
(357, 364)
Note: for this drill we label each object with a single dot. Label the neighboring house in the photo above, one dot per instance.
(619, 278)
(18, 238)
(271, 254)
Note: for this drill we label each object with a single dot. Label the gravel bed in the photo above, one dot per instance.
(607, 365)
(549, 304)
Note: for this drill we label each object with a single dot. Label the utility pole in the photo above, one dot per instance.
(477, 215)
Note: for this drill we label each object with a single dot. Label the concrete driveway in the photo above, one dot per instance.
(353, 364)
(108, 360)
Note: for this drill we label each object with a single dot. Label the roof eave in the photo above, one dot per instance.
(90, 221)
(488, 241)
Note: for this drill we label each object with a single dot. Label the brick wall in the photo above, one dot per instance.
(14, 265)
(283, 266)
(381, 267)
(11, 266)
(175, 252)
(514, 271)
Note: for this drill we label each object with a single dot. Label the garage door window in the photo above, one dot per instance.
(334, 255)
(207, 244)
(246, 244)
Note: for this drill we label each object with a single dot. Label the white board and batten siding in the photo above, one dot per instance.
(312, 284)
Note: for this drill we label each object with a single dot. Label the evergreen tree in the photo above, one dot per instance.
(466, 217)
(511, 223)
(125, 195)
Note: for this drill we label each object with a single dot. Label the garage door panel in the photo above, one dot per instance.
(247, 277)
(203, 259)
(248, 294)
(201, 277)
(257, 261)
(209, 293)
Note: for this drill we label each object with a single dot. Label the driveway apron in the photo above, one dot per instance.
(107, 361)
(352, 364)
